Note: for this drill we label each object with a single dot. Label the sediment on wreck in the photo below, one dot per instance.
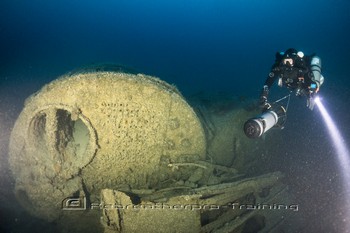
(88, 131)
(100, 136)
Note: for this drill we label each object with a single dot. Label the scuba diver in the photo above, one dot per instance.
(296, 72)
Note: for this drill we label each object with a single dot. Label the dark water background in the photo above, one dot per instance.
(198, 45)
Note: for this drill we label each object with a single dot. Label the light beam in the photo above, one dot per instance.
(342, 155)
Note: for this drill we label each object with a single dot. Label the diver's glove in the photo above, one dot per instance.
(264, 104)
(313, 89)
(310, 102)
(263, 97)
(262, 101)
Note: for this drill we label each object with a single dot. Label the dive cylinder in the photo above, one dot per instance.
(316, 70)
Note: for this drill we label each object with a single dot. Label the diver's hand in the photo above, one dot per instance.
(263, 104)
(310, 102)
(262, 101)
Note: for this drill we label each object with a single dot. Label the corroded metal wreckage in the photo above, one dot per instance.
(216, 208)
(89, 131)
(132, 139)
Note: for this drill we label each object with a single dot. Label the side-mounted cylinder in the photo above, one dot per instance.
(316, 67)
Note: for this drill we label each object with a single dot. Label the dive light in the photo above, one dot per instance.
(257, 126)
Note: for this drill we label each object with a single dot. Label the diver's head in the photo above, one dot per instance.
(290, 56)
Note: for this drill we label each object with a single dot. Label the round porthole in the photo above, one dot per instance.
(63, 139)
